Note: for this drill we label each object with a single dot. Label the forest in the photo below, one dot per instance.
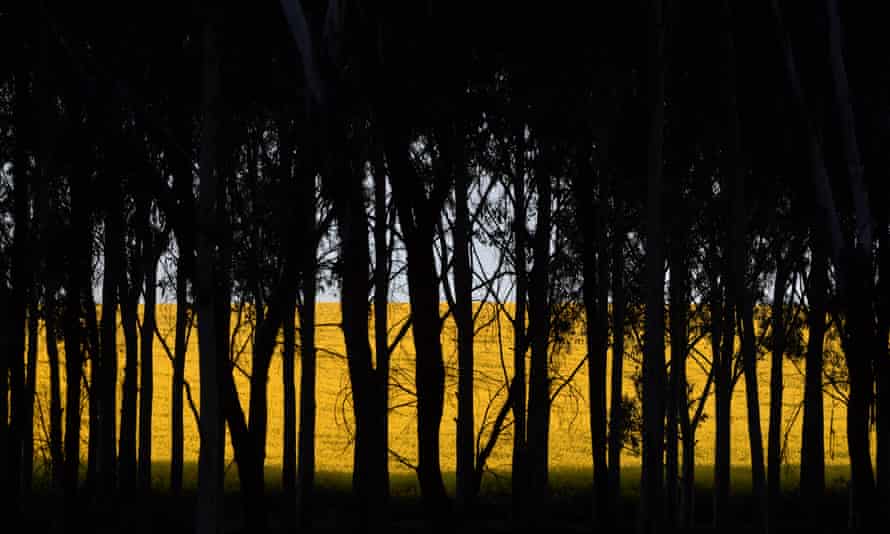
(687, 191)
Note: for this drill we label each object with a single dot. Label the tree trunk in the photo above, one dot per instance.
(289, 393)
(882, 357)
(859, 306)
(45, 100)
(677, 401)
(308, 369)
(128, 288)
(30, 388)
(5, 349)
(722, 340)
(19, 294)
(288, 352)
(774, 445)
(755, 435)
(184, 234)
(382, 271)
(463, 316)
(417, 217)
(177, 434)
(744, 302)
(651, 491)
(209, 503)
(591, 221)
(105, 381)
(94, 387)
(539, 379)
(616, 417)
(812, 454)
(79, 255)
(55, 388)
(151, 255)
(369, 451)
(520, 342)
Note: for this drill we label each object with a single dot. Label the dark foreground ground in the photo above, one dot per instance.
(568, 510)
(333, 513)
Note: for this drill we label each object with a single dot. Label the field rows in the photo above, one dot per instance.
(570, 425)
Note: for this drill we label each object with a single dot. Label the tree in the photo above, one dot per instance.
(209, 505)
(651, 507)
(418, 212)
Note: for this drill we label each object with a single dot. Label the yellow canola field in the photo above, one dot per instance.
(570, 445)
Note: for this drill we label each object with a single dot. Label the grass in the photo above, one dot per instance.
(570, 454)
(570, 443)
(568, 508)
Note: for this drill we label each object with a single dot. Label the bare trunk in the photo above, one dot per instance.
(30, 388)
(151, 254)
(105, 379)
(418, 223)
(19, 293)
(289, 393)
(616, 417)
(55, 389)
(381, 305)
(860, 346)
(882, 357)
(774, 445)
(722, 340)
(369, 452)
(288, 351)
(177, 434)
(651, 490)
(812, 454)
(79, 255)
(5, 349)
(520, 342)
(591, 223)
(463, 315)
(209, 504)
(129, 306)
(539, 379)
(677, 402)
(308, 370)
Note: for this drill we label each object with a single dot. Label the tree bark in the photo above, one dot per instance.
(30, 388)
(152, 248)
(417, 217)
(383, 267)
(744, 301)
(882, 357)
(860, 344)
(616, 417)
(19, 293)
(677, 401)
(651, 491)
(55, 388)
(539, 325)
(288, 352)
(520, 341)
(590, 220)
(463, 316)
(812, 454)
(369, 452)
(209, 504)
(774, 445)
(308, 366)
(722, 340)
(105, 382)
(129, 281)
(289, 391)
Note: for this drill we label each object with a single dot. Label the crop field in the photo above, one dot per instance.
(570, 447)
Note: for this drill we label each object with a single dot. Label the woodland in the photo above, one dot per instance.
(657, 173)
